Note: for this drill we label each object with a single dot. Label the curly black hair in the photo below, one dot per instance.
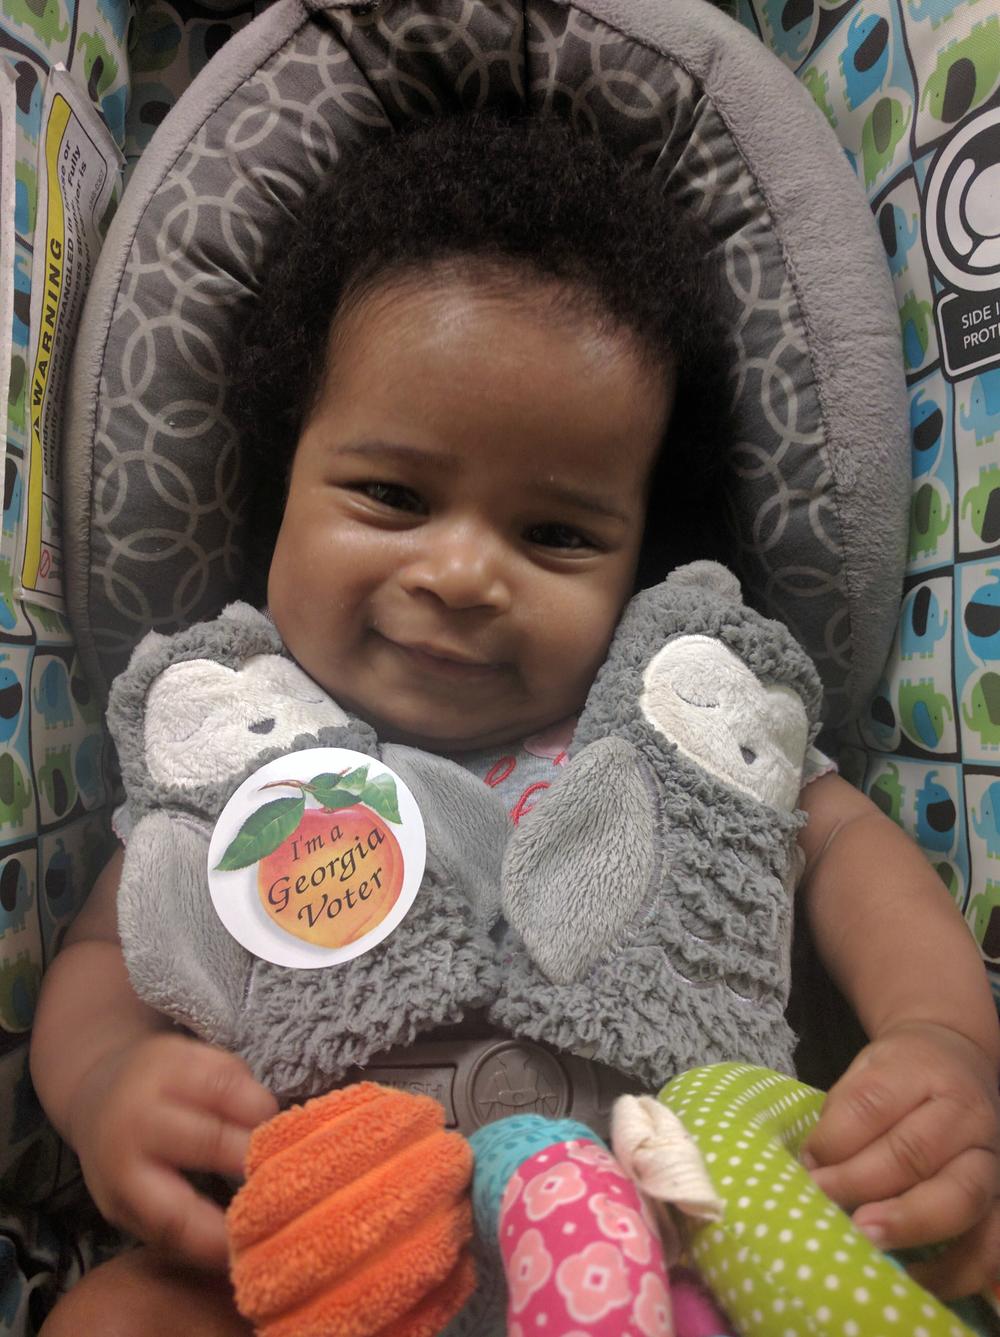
(526, 199)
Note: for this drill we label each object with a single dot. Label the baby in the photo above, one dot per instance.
(482, 352)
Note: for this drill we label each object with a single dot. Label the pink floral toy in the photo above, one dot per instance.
(580, 1246)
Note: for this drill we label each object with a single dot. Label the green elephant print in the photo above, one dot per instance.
(888, 793)
(818, 83)
(984, 717)
(967, 70)
(20, 980)
(882, 131)
(915, 328)
(982, 505)
(15, 792)
(983, 915)
(923, 710)
(929, 520)
(41, 16)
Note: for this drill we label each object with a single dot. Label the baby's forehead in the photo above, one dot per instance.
(465, 370)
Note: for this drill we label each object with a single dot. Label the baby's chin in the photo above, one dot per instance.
(454, 736)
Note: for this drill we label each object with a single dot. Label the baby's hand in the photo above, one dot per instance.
(164, 1104)
(909, 1142)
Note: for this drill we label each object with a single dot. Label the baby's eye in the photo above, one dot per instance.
(392, 494)
(558, 536)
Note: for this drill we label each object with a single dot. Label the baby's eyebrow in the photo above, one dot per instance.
(401, 451)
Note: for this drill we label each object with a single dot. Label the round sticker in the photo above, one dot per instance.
(316, 857)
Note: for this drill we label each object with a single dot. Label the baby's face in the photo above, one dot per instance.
(464, 514)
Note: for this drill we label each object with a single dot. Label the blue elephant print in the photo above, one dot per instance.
(864, 61)
(880, 723)
(936, 815)
(983, 414)
(986, 821)
(982, 618)
(938, 11)
(898, 235)
(116, 15)
(11, 700)
(926, 430)
(922, 625)
(51, 695)
(22, 301)
(87, 767)
(790, 23)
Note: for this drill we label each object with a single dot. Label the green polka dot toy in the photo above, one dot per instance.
(784, 1261)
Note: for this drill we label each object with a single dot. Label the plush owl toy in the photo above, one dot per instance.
(193, 716)
(639, 916)
(652, 887)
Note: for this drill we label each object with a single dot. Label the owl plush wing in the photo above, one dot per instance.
(579, 864)
(179, 956)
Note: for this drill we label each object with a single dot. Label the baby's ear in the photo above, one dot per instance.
(710, 577)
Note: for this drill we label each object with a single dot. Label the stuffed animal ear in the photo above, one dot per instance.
(245, 614)
(710, 577)
(150, 645)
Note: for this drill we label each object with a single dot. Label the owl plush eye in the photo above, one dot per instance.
(204, 720)
(705, 700)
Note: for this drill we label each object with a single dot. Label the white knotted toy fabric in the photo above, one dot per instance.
(656, 1151)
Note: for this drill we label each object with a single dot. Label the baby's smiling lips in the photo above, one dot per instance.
(437, 659)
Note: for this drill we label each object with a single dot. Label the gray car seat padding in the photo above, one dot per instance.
(154, 498)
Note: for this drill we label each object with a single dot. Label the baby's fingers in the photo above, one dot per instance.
(221, 1082)
(953, 1202)
(196, 1139)
(167, 1213)
(909, 1152)
(969, 1264)
(866, 1102)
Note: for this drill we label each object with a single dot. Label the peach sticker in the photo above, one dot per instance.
(317, 857)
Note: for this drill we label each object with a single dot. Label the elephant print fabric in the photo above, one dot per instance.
(912, 90)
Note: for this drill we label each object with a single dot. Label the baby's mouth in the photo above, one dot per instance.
(439, 660)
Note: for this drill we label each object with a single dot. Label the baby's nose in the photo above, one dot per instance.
(464, 569)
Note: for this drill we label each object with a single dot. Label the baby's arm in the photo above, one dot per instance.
(137, 1099)
(910, 1135)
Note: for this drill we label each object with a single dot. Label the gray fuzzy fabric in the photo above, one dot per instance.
(300, 1030)
(695, 967)
(639, 915)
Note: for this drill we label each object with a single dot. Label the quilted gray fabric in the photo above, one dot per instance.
(154, 499)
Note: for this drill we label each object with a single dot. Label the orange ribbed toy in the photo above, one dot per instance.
(354, 1219)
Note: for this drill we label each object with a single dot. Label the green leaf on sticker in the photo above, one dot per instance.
(332, 799)
(380, 795)
(354, 781)
(262, 833)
